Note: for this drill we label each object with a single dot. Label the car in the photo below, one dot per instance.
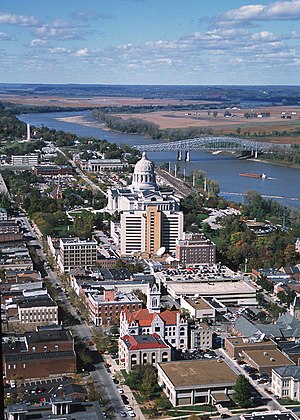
(123, 414)
(107, 365)
(105, 415)
(128, 407)
(131, 413)
(120, 390)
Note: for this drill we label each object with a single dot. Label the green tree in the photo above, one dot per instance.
(242, 392)
(149, 381)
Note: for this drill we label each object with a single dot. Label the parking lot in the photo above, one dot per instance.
(34, 392)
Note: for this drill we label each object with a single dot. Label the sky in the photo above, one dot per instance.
(185, 42)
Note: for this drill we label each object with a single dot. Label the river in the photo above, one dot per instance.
(282, 184)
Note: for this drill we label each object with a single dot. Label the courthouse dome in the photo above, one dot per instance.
(144, 175)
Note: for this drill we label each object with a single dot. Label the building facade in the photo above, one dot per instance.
(38, 354)
(196, 381)
(136, 350)
(195, 249)
(171, 326)
(76, 253)
(286, 382)
(105, 165)
(149, 216)
(201, 337)
(105, 309)
(24, 160)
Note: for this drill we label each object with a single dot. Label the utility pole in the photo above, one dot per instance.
(175, 171)
(169, 167)
(193, 179)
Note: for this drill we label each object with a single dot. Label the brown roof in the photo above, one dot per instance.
(272, 357)
(198, 303)
(198, 372)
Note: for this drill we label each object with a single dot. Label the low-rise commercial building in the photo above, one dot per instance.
(52, 170)
(227, 292)
(135, 350)
(235, 346)
(265, 361)
(38, 354)
(196, 381)
(105, 308)
(105, 165)
(38, 310)
(25, 160)
(198, 307)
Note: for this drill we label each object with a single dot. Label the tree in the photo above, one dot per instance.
(242, 392)
(149, 381)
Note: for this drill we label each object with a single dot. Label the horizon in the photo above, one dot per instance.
(150, 43)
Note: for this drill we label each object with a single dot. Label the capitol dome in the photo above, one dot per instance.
(144, 175)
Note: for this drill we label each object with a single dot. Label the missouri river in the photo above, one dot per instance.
(282, 184)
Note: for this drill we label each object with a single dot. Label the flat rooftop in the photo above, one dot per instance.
(268, 358)
(267, 415)
(210, 288)
(192, 373)
(198, 303)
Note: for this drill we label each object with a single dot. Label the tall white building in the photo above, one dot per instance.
(149, 217)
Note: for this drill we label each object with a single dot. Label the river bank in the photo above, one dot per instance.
(282, 181)
(273, 162)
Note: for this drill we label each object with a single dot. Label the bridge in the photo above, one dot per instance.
(211, 143)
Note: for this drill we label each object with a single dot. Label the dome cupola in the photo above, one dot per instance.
(144, 175)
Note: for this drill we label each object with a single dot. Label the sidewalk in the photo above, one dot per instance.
(127, 391)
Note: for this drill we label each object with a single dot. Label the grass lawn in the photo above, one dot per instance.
(285, 401)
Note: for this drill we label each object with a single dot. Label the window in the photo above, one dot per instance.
(157, 329)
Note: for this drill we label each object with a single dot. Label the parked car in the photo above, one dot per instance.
(123, 414)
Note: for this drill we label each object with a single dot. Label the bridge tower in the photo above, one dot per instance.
(179, 155)
(187, 156)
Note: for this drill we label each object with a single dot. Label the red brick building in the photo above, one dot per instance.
(105, 308)
(38, 354)
(195, 249)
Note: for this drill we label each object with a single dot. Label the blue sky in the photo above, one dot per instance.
(150, 41)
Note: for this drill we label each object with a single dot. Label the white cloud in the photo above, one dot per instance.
(38, 42)
(59, 50)
(6, 37)
(59, 30)
(82, 52)
(280, 10)
(17, 20)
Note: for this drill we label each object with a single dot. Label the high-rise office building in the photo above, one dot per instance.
(149, 216)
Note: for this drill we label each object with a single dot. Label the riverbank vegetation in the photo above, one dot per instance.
(237, 245)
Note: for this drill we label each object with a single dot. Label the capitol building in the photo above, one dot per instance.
(150, 217)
